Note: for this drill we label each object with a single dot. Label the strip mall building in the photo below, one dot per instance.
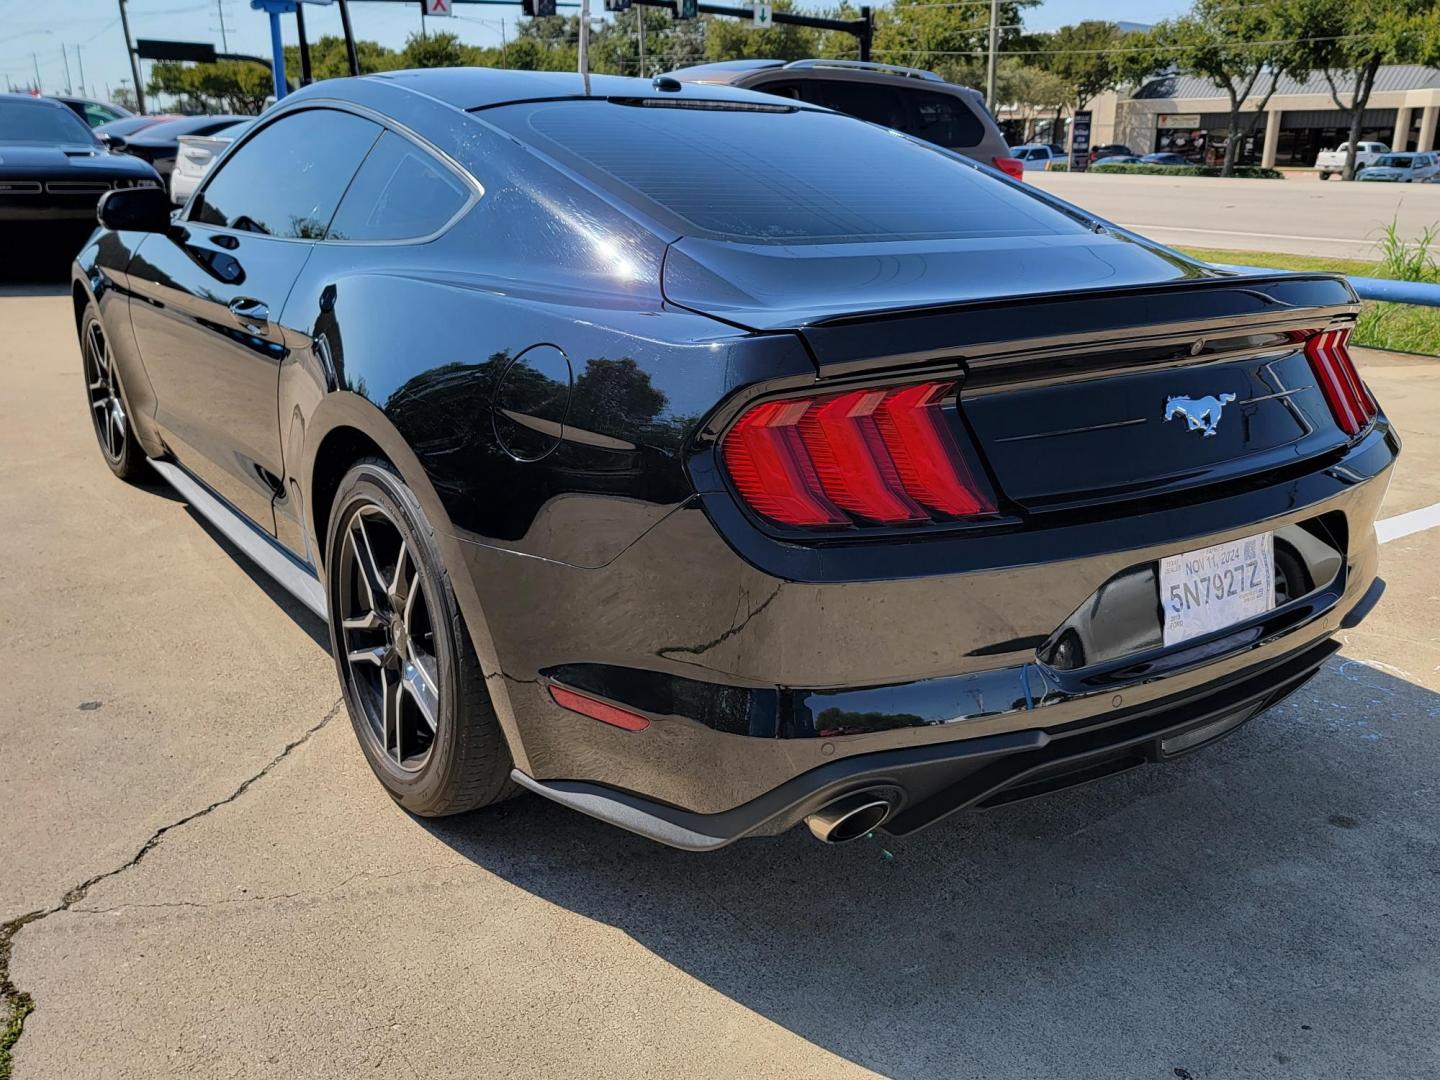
(1188, 115)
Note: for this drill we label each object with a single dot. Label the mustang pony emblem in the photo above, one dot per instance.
(1201, 414)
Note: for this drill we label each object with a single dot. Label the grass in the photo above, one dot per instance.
(1397, 327)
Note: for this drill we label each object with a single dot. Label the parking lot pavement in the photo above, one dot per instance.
(1342, 220)
(1262, 908)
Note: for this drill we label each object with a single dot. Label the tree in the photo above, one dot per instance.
(1239, 45)
(733, 39)
(328, 59)
(1085, 56)
(950, 40)
(1350, 41)
(1031, 90)
(232, 86)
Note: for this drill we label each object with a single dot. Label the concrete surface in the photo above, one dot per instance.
(1262, 909)
(1344, 220)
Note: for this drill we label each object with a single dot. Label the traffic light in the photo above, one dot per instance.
(538, 9)
(686, 9)
(617, 5)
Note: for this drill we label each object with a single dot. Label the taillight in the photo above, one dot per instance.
(1345, 393)
(1011, 167)
(878, 456)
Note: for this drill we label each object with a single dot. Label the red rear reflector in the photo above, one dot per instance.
(598, 710)
(1011, 167)
(881, 455)
(1350, 401)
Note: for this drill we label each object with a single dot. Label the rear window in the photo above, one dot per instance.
(944, 119)
(779, 176)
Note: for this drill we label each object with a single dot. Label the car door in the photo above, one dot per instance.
(209, 294)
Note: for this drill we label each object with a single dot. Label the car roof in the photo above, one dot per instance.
(184, 125)
(48, 102)
(483, 88)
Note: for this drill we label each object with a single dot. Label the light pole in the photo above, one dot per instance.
(134, 60)
(994, 48)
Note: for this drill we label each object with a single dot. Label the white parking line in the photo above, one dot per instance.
(1427, 517)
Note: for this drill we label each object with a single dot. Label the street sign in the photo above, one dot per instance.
(763, 15)
(197, 51)
(1080, 142)
(439, 7)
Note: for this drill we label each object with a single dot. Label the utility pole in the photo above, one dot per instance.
(640, 22)
(584, 45)
(994, 50)
(65, 55)
(224, 40)
(134, 60)
(36, 61)
(80, 61)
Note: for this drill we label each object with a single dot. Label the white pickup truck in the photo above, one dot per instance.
(1332, 162)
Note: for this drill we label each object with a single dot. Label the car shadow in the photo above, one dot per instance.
(1263, 901)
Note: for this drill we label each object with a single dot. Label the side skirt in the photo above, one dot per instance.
(294, 576)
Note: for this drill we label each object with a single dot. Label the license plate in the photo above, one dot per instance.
(1218, 586)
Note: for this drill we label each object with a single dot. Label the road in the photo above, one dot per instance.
(1298, 217)
(227, 892)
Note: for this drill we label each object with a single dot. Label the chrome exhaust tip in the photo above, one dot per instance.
(849, 817)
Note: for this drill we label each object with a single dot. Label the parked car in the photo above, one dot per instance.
(1403, 169)
(92, 112)
(1107, 150)
(640, 457)
(917, 102)
(52, 173)
(1332, 162)
(1113, 160)
(1165, 159)
(160, 143)
(196, 154)
(1037, 157)
(114, 131)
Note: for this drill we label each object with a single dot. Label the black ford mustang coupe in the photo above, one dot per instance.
(710, 463)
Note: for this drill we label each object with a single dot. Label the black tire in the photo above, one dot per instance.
(466, 762)
(105, 397)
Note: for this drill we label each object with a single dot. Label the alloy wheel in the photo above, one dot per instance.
(106, 407)
(388, 637)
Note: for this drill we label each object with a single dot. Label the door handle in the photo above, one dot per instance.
(252, 314)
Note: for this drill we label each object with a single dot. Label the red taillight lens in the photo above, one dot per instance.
(1345, 393)
(1011, 167)
(878, 456)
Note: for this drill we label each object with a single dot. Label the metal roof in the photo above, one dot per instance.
(1392, 77)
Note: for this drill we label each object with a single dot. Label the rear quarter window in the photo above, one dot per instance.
(944, 119)
(777, 176)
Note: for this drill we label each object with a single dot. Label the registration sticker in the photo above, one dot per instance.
(1209, 589)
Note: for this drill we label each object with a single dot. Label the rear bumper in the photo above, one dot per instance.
(928, 783)
(738, 660)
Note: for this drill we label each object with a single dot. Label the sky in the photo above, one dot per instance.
(33, 35)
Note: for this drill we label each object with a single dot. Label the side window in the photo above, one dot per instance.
(288, 179)
(944, 119)
(878, 104)
(786, 88)
(400, 193)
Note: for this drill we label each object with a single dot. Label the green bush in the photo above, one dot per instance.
(1245, 172)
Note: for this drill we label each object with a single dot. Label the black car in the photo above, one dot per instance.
(1099, 153)
(159, 143)
(52, 173)
(710, 463)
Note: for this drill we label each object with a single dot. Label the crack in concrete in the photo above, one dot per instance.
(15, 1004)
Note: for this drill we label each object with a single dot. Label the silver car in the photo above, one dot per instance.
(1403, 169)
(917, 102)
